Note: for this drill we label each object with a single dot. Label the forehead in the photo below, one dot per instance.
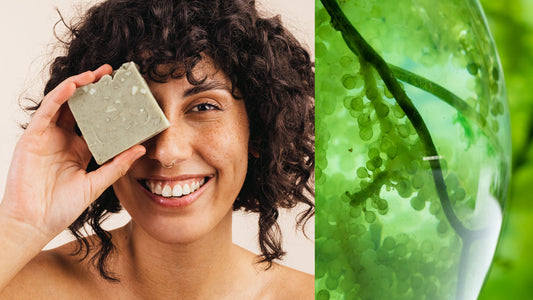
(204, 70)
(204, 76)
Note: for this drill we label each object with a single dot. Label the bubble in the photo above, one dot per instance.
(434, 208)
(442, 228)
(417, 203)
(325, 31)
(403, 130)
(322, 295)
(384, 211)
(366, 133)
(398, 111)
(373, 153)
(389, 243)
(404, 189)
(374, 163)
(495, 74)
(472, 68)
(357, 103)
(364, 120)
(411, 167)
(321, 49)
(382, 110)
(362, 172)
(382, 204)
(418, 181)
(347, 61)
(386, 125)
(451, 181)
(335, 268)
(332, 283)
(370, 216)
(389, 147)
(372, 94)
(349, 82)
(347, 102)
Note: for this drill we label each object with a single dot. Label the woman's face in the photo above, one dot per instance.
(186, 184)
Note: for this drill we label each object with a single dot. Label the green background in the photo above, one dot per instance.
(511, 275)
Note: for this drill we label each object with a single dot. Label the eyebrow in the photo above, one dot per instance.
(206, 86)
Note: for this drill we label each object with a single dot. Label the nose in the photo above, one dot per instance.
(170, 146)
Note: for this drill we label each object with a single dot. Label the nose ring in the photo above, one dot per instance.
(168, 166)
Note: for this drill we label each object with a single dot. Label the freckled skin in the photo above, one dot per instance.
(213, 142)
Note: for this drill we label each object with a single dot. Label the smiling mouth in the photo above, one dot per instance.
(174, 189)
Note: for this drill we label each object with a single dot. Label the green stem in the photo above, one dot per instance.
(445, 95)
(361, 48)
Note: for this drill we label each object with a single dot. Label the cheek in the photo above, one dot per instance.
(228, 146)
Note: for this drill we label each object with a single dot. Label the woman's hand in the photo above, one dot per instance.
(47, 186)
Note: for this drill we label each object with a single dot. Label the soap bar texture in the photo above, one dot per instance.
(117, 113)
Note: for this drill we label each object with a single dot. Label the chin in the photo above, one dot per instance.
(167, 233)
(183, 229)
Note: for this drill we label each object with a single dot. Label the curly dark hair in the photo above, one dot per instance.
(268, 67)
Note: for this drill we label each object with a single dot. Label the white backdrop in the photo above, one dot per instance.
(27, 44)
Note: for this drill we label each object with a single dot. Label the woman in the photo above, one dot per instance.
(237, 90)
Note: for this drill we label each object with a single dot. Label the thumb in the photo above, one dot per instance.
(110, 172)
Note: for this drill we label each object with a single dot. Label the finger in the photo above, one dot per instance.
(102, 70)
(110, 172)
(48, 111)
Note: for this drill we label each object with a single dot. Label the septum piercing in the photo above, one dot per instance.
(167, 166)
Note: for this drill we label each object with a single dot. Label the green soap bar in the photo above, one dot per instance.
(117, 113)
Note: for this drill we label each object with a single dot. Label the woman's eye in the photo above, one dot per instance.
(204, 107)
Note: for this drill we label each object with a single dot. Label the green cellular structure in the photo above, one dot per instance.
(412, 149)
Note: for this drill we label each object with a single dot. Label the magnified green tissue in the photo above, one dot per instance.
(412, 149)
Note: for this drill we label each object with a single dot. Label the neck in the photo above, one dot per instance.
(189, 269)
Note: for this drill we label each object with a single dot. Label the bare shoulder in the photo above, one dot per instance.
(292, 284)
(52, 274)
(276, 282)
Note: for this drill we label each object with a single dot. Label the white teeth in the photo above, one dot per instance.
(167, 191)
(186, 189)
(157, 189)
(176, 191)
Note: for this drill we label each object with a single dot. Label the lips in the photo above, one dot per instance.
(162, 190)
(174, 188)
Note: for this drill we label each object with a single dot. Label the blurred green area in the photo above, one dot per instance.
(511, 275)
